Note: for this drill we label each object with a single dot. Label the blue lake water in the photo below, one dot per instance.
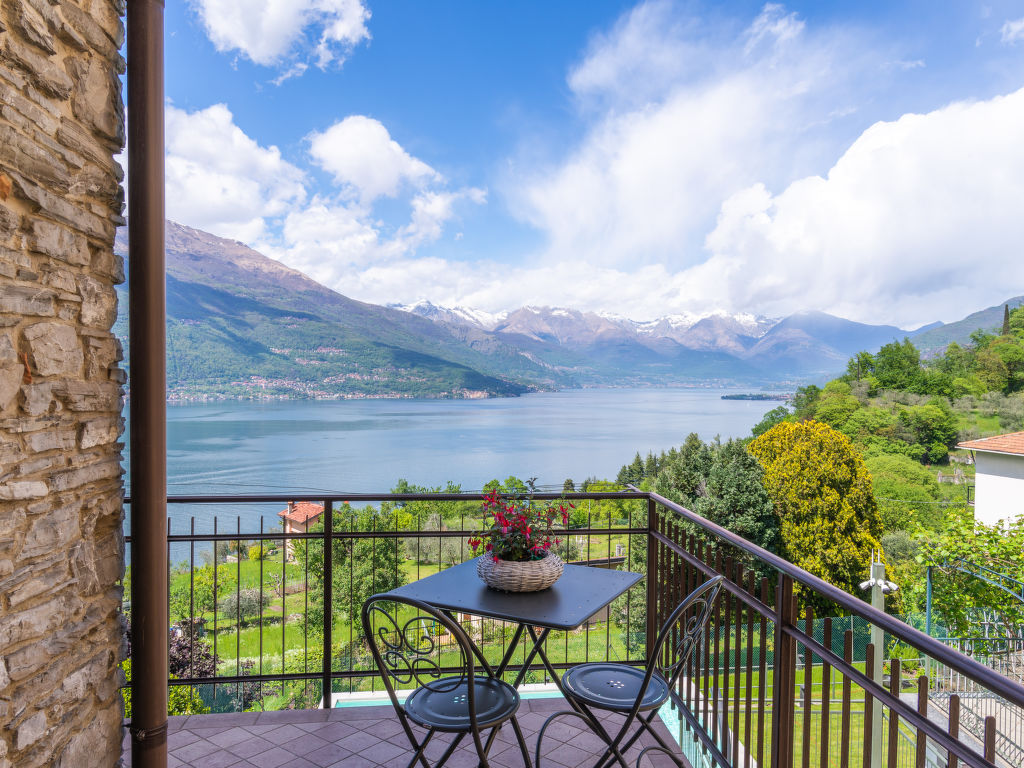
(362, 446)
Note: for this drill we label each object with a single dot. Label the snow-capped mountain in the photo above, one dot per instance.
(575, 328)
(803, 344)
(459, 315)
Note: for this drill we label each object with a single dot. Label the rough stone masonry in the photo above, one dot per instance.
(61, 545)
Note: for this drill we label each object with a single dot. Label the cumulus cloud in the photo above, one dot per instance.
(272, 32)
(917, 213)
(684, 115)
(221, 180)
(363, 158)
(1012, 31)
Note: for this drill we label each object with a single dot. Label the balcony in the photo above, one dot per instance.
(772, 683)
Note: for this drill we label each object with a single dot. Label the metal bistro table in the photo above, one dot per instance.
(578, 594)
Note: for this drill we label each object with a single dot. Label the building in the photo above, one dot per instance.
(298, 518)
(999, 476)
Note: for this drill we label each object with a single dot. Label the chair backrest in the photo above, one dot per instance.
(417, 646)
(682, 632)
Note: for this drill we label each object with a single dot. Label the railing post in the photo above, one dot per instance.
(328, 600)
(784, 687)
(652, 582)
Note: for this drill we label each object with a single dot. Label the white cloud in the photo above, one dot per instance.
(684, 116)
(1012, 31)
(916, 215)
(362, 156)
(269, 32)
(221, 180)
(430, 211)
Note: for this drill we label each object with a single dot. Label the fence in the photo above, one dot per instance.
(771, 683)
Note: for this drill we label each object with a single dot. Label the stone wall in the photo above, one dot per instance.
(61, 548)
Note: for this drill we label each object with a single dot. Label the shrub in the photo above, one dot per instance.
(245, 603)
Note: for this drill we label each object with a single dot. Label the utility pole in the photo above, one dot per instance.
(879, 589)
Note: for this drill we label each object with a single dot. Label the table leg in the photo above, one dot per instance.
(507, 658)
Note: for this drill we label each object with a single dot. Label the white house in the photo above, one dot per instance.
(999, 476)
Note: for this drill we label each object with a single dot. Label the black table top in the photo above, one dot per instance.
(581, 592)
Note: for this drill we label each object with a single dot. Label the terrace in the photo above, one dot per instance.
(771, 684)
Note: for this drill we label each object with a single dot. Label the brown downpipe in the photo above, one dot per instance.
(148, 381)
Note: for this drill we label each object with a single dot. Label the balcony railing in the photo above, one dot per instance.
(773, 684)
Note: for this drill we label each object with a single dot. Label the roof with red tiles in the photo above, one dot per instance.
(301, 511)
(1012, 443)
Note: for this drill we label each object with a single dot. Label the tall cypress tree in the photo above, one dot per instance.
(1006, 320)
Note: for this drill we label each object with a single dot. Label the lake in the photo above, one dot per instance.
(353, 446)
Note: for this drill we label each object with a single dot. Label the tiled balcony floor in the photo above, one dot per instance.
(368, 737)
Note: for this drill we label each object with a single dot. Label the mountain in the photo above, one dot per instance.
(742, 348)
(815, 343)
(243, 325)
(931, 340)
(240, 324)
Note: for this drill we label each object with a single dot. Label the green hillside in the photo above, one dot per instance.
(935, 340)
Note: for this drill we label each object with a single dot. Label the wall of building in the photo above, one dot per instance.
(61, 548)
(999, 487)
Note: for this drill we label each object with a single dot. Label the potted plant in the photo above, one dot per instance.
(517, 540)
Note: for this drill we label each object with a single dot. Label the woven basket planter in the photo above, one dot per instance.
(509, 576)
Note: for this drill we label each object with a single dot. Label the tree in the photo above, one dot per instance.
(770, 419)
(906, 493)
(631, 474)
(360, 567)
(804, 402)
(963, 599)
(440, 550)
(821, 491)
(244, 604)
(836, 404)
(736, 499)
(898, 366)
(991, 370)
(191, 598)
(1017, 321)
(933, 426)
(860, 366)
(683, 478)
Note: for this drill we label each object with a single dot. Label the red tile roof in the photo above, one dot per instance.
(301, 511)
(1011, 443)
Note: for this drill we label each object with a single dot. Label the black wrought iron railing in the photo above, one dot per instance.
(263, 619)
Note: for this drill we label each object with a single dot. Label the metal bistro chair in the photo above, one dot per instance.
(634, 692)
(408, 651)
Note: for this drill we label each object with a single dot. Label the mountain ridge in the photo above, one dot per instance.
(243, 325)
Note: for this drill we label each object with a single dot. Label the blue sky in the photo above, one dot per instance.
(647, 159)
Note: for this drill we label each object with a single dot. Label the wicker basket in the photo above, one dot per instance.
(510, 576)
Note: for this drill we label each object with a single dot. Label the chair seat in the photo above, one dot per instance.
(443, 705)
(614, 686)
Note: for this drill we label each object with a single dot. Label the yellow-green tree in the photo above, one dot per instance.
(822, 494)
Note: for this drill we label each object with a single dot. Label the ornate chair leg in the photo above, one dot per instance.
(522, 742)
(585, 716)
(451, 748)
(675, 758)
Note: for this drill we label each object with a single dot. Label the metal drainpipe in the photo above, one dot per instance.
(147, 349)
